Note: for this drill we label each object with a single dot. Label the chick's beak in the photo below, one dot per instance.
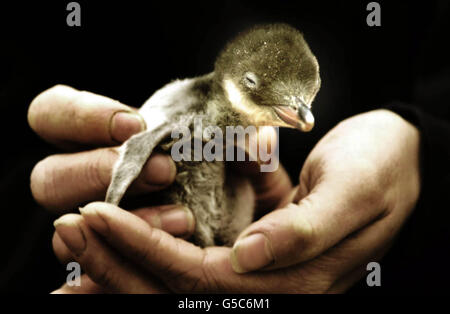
(306, 118)
(298, 115)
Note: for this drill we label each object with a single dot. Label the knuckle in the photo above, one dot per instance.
(58, 89)
(78, 112)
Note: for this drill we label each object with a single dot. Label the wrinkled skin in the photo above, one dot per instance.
(357, 188)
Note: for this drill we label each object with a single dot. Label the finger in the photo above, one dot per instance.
(63, 254)
(87, 286)
(297, 233)
(174, 219)
(62, 114)
(270, 186)
(100, 263)
(153, 249)
(62, 182)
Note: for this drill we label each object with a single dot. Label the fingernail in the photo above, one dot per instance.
(251, 253)
(124, 124)
(70, 232)
(177, 221)
(93, 218)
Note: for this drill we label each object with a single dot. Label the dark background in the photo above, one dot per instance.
(126, 50)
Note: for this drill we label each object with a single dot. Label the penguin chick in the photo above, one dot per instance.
(265, 76)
